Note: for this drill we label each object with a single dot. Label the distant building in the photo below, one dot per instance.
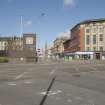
(87, 40)
(8, 44)
(40, 53)
(58, 48)
(23, 48)
(29, 46)
(46, 51)
(3, 46)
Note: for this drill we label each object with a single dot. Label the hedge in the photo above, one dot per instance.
(4, 60)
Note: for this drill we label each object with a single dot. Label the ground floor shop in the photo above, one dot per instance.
(84, 56)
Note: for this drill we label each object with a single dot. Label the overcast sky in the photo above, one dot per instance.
(47, 18)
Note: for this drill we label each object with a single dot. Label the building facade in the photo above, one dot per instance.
(88, 40)
(29, 47)
(58, 47)
(3, 46)
(23, 48)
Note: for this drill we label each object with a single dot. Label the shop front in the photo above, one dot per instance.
(79, 56)
(84, 55)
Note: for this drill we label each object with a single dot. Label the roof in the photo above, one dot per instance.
(61, 38)
(89, 21)
(4, 38)
(29, 34)
(8, 38)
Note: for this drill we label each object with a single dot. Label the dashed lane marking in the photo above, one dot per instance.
(52, 72)
(93, 68)
(11, 83)
(51, 92)
(27, 82)
(20, 76)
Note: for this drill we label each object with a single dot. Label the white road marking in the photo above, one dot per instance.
(93, 68)
(20, 76)
(11, 84)
(101, 64)
(89, 72)
(52, 72)
(88, 104)
(43, 93)
(28, 82)
(51, 92)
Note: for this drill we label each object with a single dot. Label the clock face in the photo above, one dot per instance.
(29, 40)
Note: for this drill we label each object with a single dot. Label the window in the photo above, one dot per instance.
(94, 48)
(94, 39)
(88, 48)
(87, 30)
(5, 43)
(2, 48)
(101, 48)
(101, 37)
(87, 39)
(94, 30)
(101, 30)
(1, 43)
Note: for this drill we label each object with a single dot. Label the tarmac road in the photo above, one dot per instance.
(76, 83)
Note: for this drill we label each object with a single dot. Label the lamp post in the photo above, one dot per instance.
(21, 32)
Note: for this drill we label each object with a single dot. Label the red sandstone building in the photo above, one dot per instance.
(87, 40)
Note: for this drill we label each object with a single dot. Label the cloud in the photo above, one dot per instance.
(69, 2)
(28, 23)
(64, 34)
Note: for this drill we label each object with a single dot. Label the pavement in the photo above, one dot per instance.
(54, 83)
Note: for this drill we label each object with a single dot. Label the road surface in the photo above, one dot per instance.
(76, 83)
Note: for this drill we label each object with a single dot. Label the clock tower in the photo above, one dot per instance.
(29, 46)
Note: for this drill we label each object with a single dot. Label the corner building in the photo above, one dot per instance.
(88, 40)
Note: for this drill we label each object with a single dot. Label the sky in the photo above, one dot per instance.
(47, 18)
